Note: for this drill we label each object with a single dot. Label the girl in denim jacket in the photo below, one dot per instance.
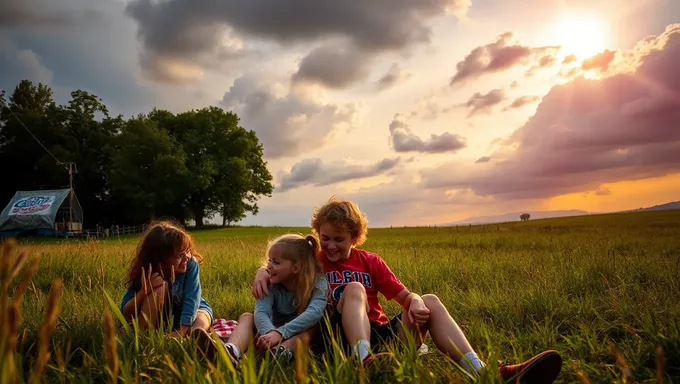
(164, 281)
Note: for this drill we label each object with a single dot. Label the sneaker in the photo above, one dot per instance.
(208, 346)
(231, 352)
(540, 369)
(282, 353)
(378, 359)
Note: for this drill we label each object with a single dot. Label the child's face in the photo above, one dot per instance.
(336, 242)
(279, 269)
(180, 261)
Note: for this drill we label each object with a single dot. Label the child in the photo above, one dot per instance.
(356, 277)
(164, 279)
(296, 302)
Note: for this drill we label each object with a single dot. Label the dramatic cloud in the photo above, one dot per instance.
(402, 139)
(21, 64)
(483, 159)
(599, 61)
(603, 192)
(569, 59)
(500, 55)
(589, 132)
(315, 172)
(522, 101)
(332, 66)
(483, 103)
(394, 76)
(183, 29)
(288, 124)
(35, 13)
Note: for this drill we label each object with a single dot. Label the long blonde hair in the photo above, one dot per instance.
(302, 250)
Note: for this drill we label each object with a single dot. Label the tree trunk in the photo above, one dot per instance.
(198, 216)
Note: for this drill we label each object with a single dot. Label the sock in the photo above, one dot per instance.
(471, 358)
(234, 348)
(362, 349)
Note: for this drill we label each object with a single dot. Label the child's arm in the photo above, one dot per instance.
(311, 315)
(263, 314)
(393, 289)
(191, 297)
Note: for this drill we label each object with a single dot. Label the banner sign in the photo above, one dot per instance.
(32, 205)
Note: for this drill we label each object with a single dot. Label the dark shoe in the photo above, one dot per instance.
(281, 353)
(205, 343)
(540, 369)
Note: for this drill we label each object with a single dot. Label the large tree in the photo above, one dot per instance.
(223, 159)
(148, 173)
(190, 165)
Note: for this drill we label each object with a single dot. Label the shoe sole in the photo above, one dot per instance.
(544, 369)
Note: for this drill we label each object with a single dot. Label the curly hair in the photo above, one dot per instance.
(342, 213)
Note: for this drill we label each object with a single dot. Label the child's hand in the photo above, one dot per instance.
(151, 281)
(271, 339)
(418, 313)
(261, 283)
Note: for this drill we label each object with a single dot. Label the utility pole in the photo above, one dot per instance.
(71, 169)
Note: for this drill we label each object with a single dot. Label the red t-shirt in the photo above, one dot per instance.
(368, 269)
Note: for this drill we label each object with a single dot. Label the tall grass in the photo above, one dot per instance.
(602, 290)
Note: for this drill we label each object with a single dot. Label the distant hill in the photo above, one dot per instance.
(514, 216)
(661, 207)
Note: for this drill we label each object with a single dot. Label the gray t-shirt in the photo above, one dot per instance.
(277, 312)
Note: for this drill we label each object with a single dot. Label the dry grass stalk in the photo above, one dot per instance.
(110, 345)
(23, 255)
(7, 364)
(583, 378)
(46, 328)
(622, 363)
(27, 279)
(301, 358)
(660, 365)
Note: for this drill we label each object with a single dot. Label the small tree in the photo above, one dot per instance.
(524, 216)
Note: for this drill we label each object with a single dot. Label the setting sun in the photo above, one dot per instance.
(581, 35)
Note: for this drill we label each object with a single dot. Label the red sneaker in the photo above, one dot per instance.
(540, 369)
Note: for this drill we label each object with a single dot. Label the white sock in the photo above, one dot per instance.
(235, 349)
(362, 349)
(474, 360)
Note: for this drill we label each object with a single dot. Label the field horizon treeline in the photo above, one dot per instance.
(603, 290)
(185, 166)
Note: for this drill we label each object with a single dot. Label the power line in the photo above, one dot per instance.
(36, 139)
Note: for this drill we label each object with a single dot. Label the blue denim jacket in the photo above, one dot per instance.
(185, 296)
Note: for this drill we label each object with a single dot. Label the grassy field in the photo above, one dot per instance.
(602, 290)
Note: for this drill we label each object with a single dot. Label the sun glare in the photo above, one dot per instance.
(581, 35)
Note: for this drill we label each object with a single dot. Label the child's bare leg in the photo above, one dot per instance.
(152, 307)
(203, 321)
(445, 332)
(243, 333)
(354, 308)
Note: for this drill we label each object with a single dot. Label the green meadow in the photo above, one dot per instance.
(602, 290)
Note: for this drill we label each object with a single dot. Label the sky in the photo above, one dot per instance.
(423, 112)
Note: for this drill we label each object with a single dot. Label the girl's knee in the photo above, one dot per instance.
(247, 316)
(432, 302)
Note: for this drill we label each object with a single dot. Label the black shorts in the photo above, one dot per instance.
(381, 334)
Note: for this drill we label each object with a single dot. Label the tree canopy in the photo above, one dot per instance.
(190, 165)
